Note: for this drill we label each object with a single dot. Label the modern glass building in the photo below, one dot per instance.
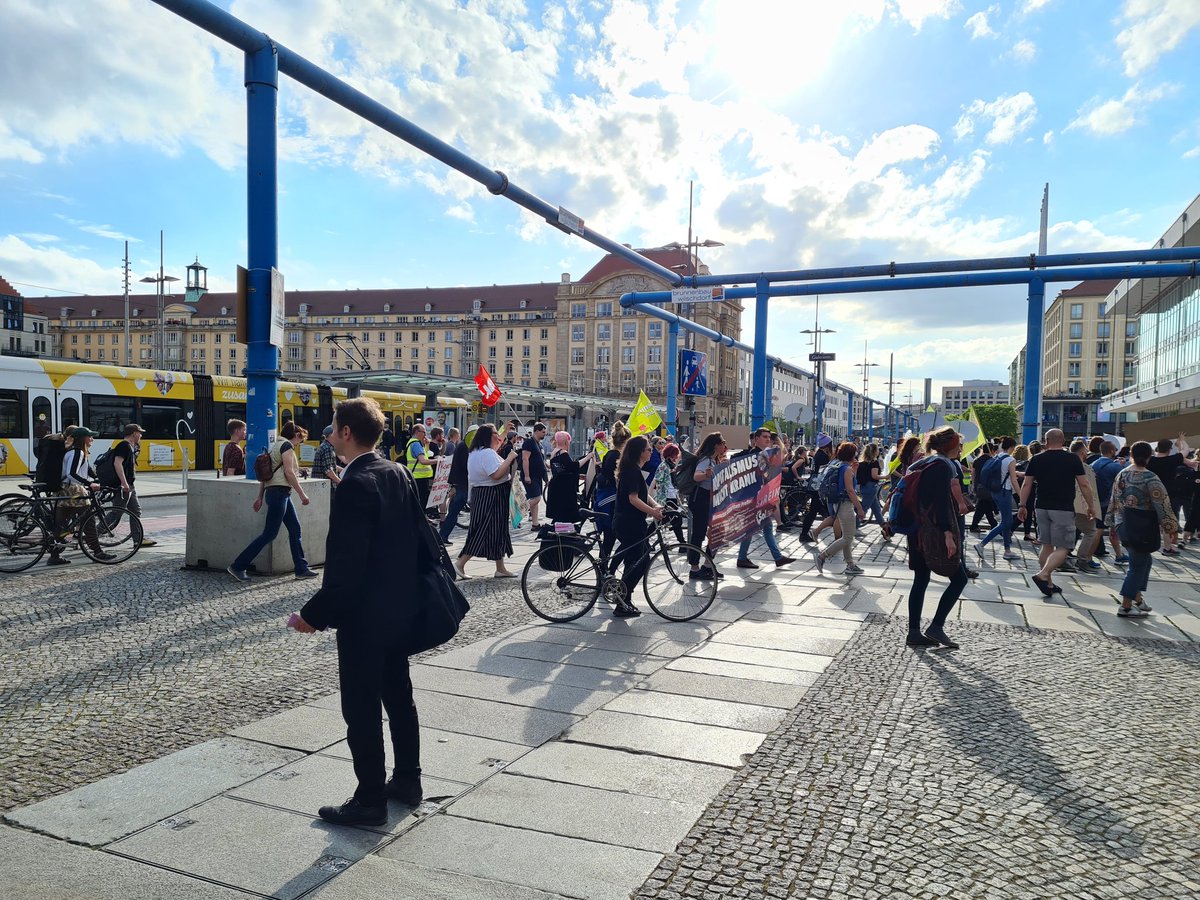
(1167, 362)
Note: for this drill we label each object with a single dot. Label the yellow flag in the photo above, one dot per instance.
(645, 417)
(975, 443)
(600, 449)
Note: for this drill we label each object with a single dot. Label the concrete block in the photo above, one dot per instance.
(485, 718)
(453, 757)
(545, 862)
(394, 879)
(608, 639)
(222, 521)
(310, 783)
(37, 867)
(702, 710)
(571, 810)
(739, 690)
(665, 737)
(256, 848)
(618, 770)
(109, 809)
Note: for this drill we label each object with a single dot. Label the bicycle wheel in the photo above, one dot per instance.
(118, 535)
(560, 586)
(23, 539)
(14, 514)
(670, 590)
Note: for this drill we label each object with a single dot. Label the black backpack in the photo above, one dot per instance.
(106, 469)
(1182, 483)
(52, 450)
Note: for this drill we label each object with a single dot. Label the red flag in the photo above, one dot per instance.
(487, 387)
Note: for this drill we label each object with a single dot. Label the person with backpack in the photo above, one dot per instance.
(79, 481)
(761, 441)
(1140, 511)
(837, 489)
(606, 490)
(1085, 524)
(710, 453)
(998, 475)
(986, 504)
(665, 493)
(278, 474)
(1106, 466)
(927, 489)
(118, 468)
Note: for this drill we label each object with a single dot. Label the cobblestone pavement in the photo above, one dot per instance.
(109, 667)
(1026, 764)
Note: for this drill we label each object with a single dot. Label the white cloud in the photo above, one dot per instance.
(1194, 153)
(915, 12)
(39, 238)
(104, 231)
(1029, 6)
(462, 211)
(1048, 137)
(53, 267)
(1009, 115)
(978, 24)
(1023, 51)
(1116, 116)
(1154, 28)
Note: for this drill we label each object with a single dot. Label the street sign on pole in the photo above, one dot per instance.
(698, 295)
(693, 379)
(822, 357)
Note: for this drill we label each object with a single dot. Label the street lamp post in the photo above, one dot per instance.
(689, 311)
(160, 293)
(818, 395)
(866, 370)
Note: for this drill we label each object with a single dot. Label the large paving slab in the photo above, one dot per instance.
(748, 671)
(544, 651)
(596, 871)
(619, 770)
(717, 687)
(486, 718)
(991, 613)
(702, 710)
(572, 810)
(252, 847)
(109, 809)
(1152, 627)
(308, 728)
(453, 756)
(608, 639)
(666, 737)
(521, 692)
(393, 879)
(758, 656)
(37, 867)
(1057, 618)
(780, 636)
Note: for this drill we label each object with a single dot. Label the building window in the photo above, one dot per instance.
(1076, 350)
(604, 332)
(1101, 370)
(1076, 310)
(627, 355)
(1072, 387)
(1131, 329)
(1102, 348)
(1130, 348)
(1076, 331)
(576, 332)
(508, 334)
(508, 352)
(492, 352)
(578, 310)
(415, 353)
(654, 331)
(604, 309)
(543, 351)
(654, 355)
(1103, 329)
(545, 334)
(629, 331)
(448, 369)
(577, 356)
(525, 351)
(603, 356)
(1073, 370)
(449, 353)
(491, 334)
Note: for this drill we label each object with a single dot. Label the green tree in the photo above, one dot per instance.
(996, 420)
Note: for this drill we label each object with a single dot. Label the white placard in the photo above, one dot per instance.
(440, 488)
(278, 313)
(698, 295)
(162, 455)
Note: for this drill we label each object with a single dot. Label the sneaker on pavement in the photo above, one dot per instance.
(783, 561)
(1089, 565)
(1123, 558)
(239, 574)
(853, 570)
(406, 790)
(354, 813)
(1011, 554)
(820, 563)
(979, 549)
(1133, 612)
(1141, 604)
(148, 542)
(307, 573)
(744, 563)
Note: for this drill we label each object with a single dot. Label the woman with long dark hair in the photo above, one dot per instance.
(711, 452)
(632, 505)
(488, 476)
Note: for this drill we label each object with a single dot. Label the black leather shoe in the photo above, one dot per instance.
(353, 813)
(406, 790)
(936, 634)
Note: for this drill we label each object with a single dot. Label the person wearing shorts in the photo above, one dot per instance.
(533, 471)
(1056, 472)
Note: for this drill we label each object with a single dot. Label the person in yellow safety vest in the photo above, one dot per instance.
(417, 461)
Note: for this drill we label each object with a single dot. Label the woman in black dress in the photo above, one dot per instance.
(633, 504)
(562, 496)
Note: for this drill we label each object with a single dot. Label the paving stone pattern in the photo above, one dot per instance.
(106, 668)
(1026, 764)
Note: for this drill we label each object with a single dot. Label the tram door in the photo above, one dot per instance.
(51, 411)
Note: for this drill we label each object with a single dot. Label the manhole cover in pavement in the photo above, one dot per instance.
(331, 864)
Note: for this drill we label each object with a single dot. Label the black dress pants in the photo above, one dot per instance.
(373, 675)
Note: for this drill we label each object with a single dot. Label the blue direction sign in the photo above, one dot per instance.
(693, 379)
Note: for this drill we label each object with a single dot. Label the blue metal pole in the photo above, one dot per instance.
(757, 406)
(262, 358)
(849, 414)
(1033, 361)
(768, 387)
(672, 376)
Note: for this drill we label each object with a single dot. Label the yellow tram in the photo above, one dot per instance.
(182, 412)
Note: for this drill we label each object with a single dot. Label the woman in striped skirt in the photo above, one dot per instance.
(488, 477)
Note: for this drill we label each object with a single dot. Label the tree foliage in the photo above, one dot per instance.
(997, 420)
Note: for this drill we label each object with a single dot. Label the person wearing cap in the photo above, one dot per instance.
(325, 461)
(125, 456)
(78, 480)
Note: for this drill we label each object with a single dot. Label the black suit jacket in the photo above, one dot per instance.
(371, 548)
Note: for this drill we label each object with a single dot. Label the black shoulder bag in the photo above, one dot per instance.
(440, 606)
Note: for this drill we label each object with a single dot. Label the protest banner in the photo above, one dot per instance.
(440, 488)
(745, 491)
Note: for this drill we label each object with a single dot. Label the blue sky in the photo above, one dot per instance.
(818, 132)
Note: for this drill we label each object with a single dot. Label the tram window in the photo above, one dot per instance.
(225, 412)
(12, 414)
(309, 418)
(108, 416)
(43, 422)
(69, 409)
(159, 419)
(285, 416)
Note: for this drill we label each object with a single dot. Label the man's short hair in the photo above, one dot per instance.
(233, 425)
(539, 426)
(435, 431)
(363, 417)
(761, 432)
(1107, 447)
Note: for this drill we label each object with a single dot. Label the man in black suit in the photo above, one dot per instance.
(370, 549)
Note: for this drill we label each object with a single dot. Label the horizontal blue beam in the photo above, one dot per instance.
(965, 279)
(687, 324)
(892, 270)
(229, 28)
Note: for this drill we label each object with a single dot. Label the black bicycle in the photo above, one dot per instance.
(31, 526)
(563, 580)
